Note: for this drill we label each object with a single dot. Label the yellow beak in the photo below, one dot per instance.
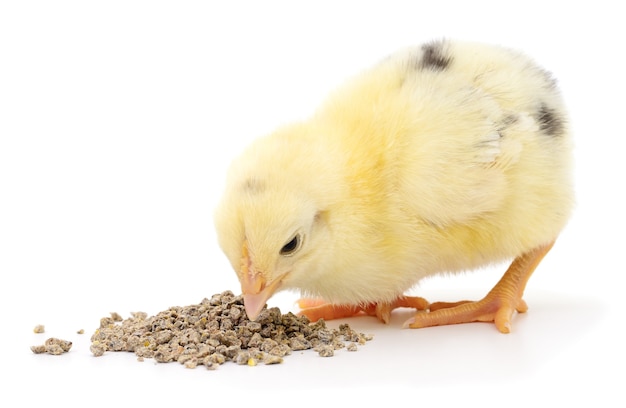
(254, 286)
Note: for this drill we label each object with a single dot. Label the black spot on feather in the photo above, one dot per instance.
(434, 57)
(549, 121)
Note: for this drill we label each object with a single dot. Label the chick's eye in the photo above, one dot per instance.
(292, 246)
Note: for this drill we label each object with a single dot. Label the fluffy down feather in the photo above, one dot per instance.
(444, 157)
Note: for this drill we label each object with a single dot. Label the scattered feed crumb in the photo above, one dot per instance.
(81, 331)
(97, 348)
(273, 359)
(192, 363)
(326, 350)
(218, 331)
(38, 349)
(39, 329)
(53, 346)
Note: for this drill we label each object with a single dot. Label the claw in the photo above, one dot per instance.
(316, 309)
(499, 304)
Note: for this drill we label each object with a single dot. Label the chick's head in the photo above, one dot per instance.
(270, 228)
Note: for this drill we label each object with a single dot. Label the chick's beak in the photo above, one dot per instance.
(254, 286)
(255, 300)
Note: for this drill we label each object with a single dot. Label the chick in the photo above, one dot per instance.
(442, 158)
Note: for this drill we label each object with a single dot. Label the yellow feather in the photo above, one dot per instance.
(423, 164)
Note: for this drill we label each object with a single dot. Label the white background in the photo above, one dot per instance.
(118, 120)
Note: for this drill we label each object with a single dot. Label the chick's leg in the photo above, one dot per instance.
(499, 304)
(316, 309)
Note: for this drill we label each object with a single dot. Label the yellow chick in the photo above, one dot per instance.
(441, 158)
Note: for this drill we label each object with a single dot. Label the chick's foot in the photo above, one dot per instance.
(499, 304)
(315, 309)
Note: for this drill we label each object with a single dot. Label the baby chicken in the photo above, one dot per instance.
(441, 158)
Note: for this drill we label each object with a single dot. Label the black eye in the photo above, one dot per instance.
(291, 246)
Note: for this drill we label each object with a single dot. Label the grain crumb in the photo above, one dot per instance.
(273, 359)
(326, 350)
(116, 317)
(53, 346)
(97, 348)
(217, 331)
(39, 329)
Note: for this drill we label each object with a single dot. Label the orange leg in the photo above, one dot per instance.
(316, 309)
(499, 304)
